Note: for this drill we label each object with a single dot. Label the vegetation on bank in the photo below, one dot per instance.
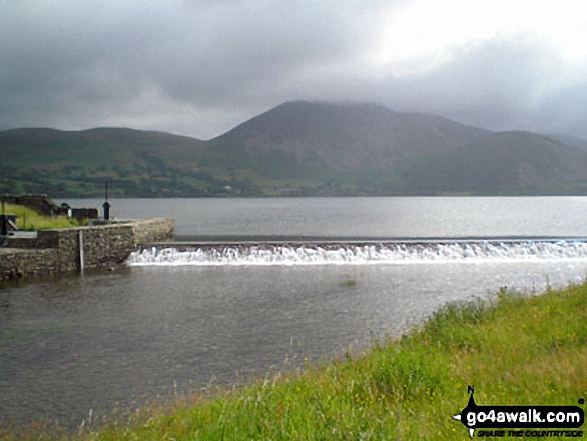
(515, 350)
(28, 219)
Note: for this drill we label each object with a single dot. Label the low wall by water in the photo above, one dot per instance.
(76, 249)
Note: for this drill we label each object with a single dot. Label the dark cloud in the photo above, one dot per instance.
(200, 67)
(497, 84)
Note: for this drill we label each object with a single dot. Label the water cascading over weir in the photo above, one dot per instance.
(352, 252)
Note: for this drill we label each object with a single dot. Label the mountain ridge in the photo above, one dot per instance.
(297, 148)
(339, 133)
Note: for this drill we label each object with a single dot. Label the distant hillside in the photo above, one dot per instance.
(139, 163)
(99, 146)
(505, 163)
(297, 148)
(569, 140)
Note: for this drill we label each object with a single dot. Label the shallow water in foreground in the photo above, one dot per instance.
(106, 340)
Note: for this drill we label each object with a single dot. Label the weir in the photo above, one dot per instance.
(358, 251)
(80, 248)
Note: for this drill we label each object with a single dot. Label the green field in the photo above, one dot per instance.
(515, 350)
(28, 219)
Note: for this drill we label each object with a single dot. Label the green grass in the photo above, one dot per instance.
(515, 351)
(28, 219)
(349, 283)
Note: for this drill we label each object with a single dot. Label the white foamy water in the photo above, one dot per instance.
(350, 254)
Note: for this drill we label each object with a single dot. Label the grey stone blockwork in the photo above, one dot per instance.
(74, 249)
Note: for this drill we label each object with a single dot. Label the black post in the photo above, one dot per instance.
(3, 227)
(106, 205)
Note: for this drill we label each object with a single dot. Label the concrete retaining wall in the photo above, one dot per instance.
(75, 249)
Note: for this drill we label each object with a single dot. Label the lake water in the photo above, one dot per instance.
(401, 217)
(176, 321)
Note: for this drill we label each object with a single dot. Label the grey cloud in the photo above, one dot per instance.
(200, 67)
(515, 84)
(205, 54)
(252, 49)
(501, 85)
(564, 111)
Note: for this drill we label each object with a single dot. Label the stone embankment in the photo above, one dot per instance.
(76, 249)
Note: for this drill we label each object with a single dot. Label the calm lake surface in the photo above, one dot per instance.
(361, 217)
(171, 322)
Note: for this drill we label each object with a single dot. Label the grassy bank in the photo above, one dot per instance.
(28, 219)
(515, 351)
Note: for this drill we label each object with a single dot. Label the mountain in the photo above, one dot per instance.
(297, 148)
(342, 137)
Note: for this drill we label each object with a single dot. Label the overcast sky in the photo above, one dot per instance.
(200, 67)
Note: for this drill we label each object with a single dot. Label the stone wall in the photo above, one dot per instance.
(76, 249)
(84, 213)
(153, 230)
(16, 263)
